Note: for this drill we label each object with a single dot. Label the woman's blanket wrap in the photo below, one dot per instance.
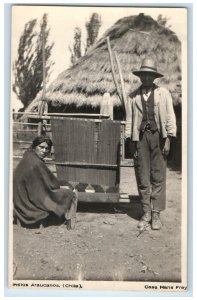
(36, 191)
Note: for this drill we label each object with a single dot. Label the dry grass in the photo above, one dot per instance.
(132, 38)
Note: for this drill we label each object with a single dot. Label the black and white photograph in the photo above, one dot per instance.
(98, 194)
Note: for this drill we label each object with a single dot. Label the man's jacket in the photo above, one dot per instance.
(163, 113)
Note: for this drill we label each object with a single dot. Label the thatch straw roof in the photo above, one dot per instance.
(132, 38)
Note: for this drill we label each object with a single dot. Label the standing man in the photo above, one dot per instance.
(150, 124)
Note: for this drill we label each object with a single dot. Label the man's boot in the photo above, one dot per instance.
(145, 220)
(156, 222)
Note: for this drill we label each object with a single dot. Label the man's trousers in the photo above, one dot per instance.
(150, 168)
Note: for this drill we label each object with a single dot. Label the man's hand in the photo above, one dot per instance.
(166, 148)
(131, 148)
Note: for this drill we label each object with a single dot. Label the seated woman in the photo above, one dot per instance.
(36, 191)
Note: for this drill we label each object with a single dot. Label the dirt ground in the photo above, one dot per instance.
(105, 244)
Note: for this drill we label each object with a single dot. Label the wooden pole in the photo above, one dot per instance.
(41, 107)
(43, 75)
(113, 71)
(43, 64)
(121, 80)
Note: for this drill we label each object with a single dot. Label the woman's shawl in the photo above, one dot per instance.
(36, 191)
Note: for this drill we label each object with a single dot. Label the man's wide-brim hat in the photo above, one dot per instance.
(148, 66)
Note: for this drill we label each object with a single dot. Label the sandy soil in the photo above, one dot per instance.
(105, 244)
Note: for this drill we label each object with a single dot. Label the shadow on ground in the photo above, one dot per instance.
(133, 209)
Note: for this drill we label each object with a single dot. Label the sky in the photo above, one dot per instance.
(62, 21)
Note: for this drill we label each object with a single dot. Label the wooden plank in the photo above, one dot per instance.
(98, 197)
(25, 124)
(90, 148)
(108, 149)
(78, 115)
(102, 152)
(85, 164)
(60, 136)
(95, 143)
(21, 142)
(48, 117)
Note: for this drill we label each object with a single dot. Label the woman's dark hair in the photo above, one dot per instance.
(41, 139)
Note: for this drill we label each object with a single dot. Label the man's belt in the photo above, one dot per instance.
(148, 129)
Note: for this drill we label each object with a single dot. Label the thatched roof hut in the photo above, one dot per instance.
(133, 38)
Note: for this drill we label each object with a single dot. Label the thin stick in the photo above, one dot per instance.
(113, 71)
(121, 80)
(43, 64)
(42, 104)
